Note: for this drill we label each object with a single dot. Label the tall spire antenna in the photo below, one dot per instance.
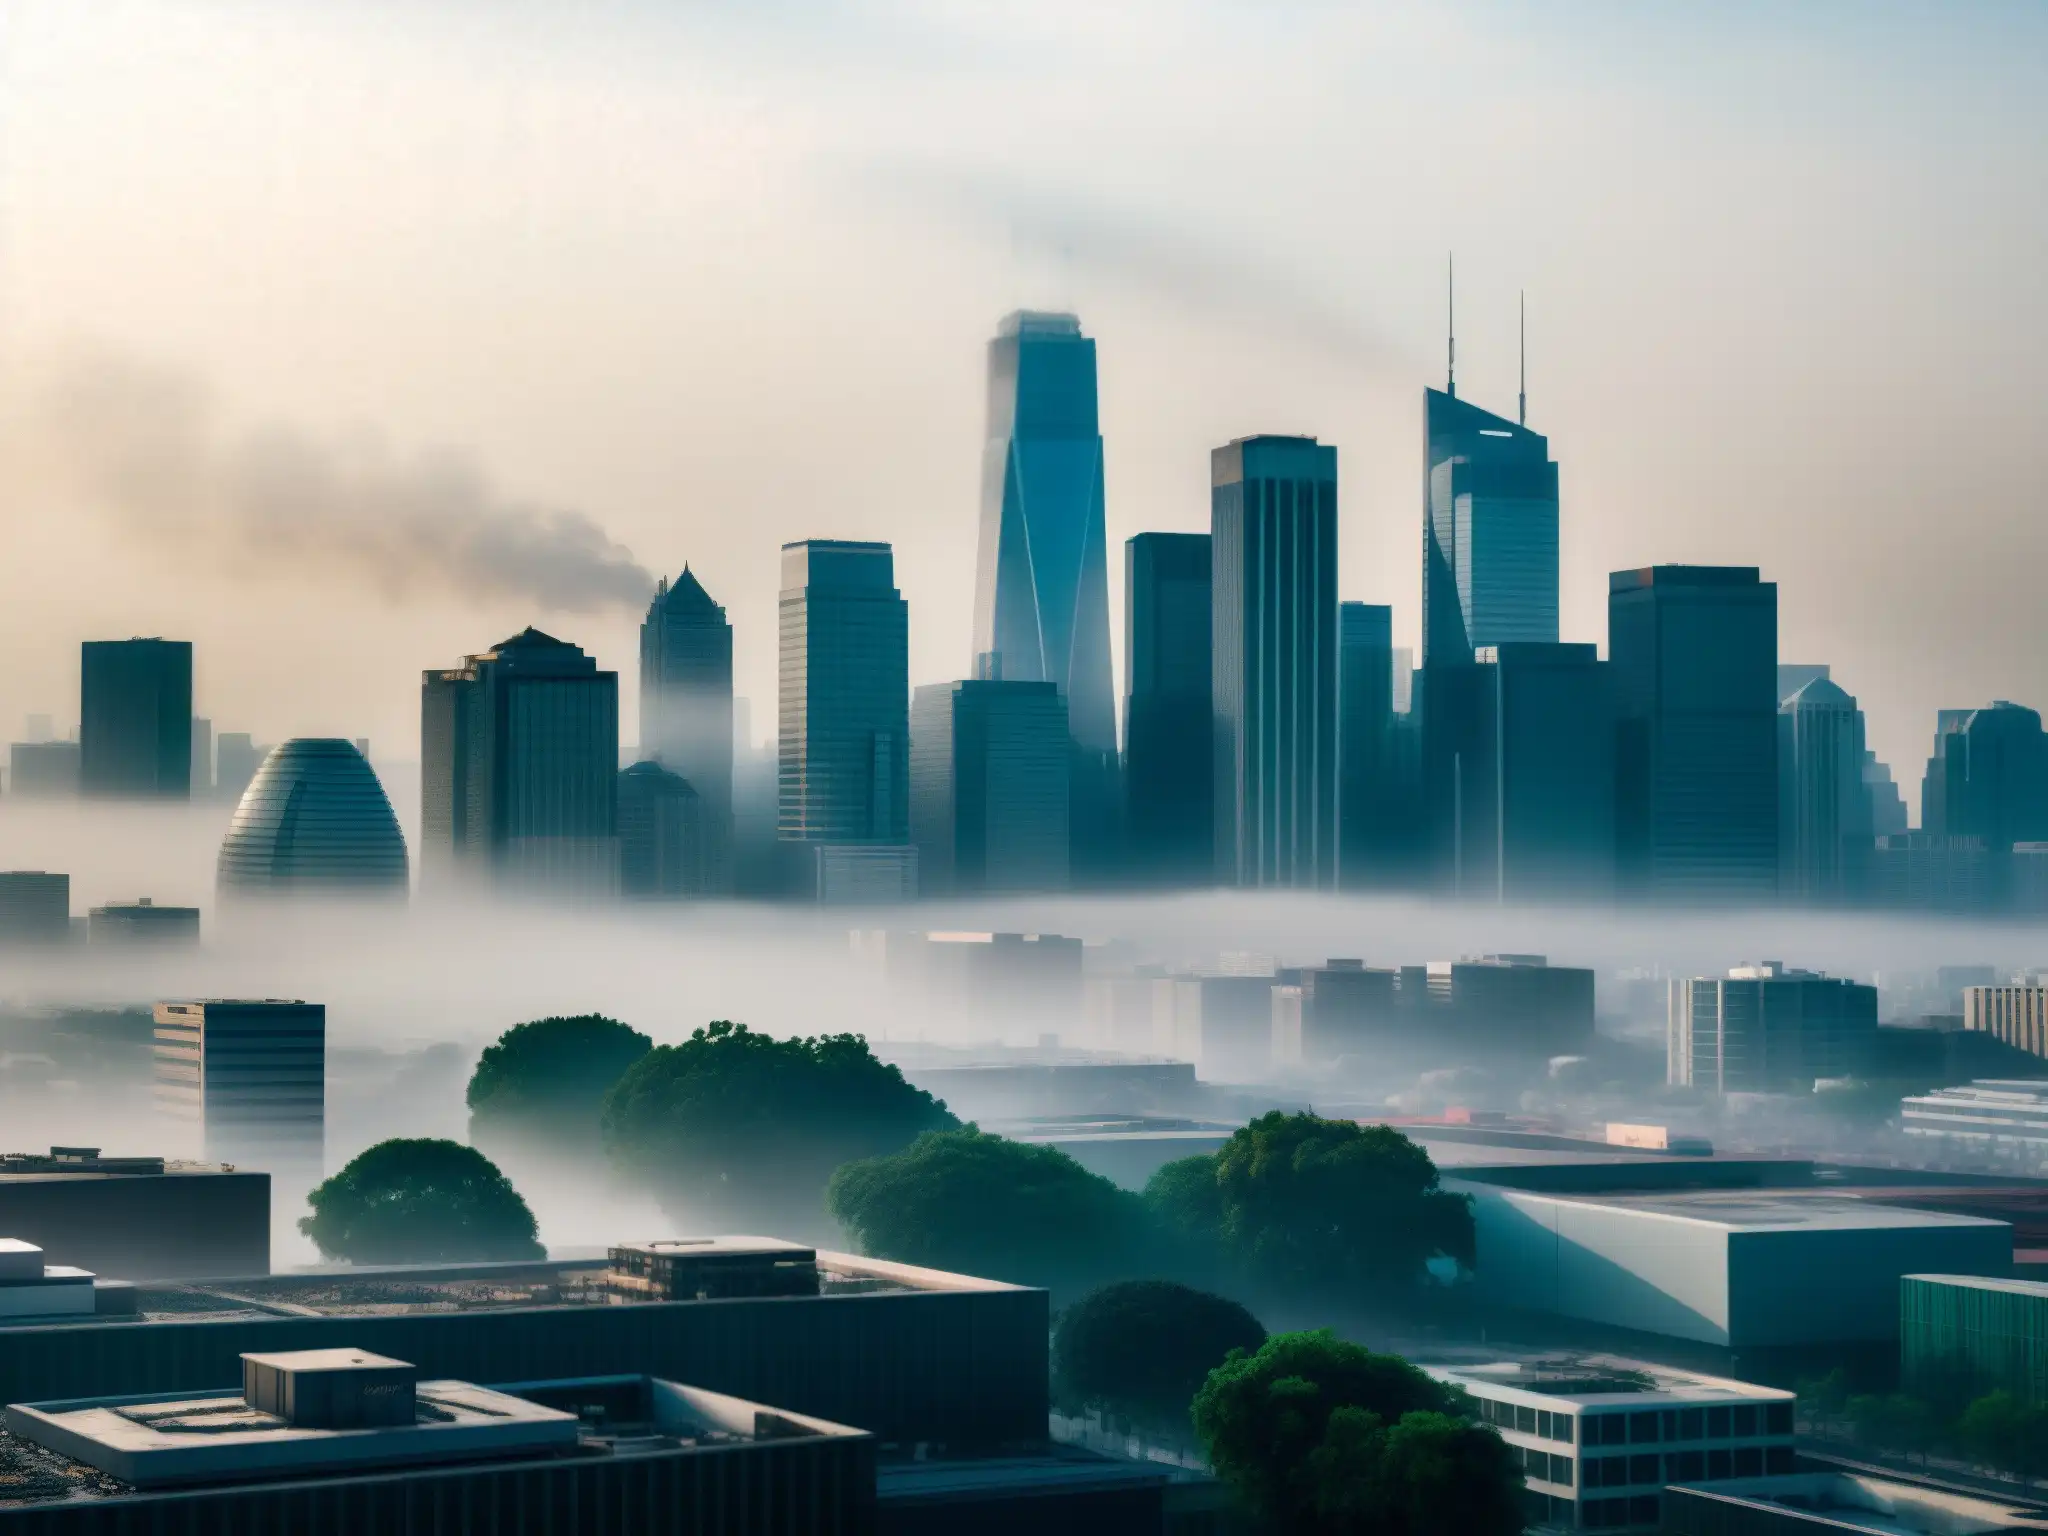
(1451, 318)
(1522, 324)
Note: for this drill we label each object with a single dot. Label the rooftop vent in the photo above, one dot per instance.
(331, 1388)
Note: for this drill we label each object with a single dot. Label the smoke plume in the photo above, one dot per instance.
(145, 446)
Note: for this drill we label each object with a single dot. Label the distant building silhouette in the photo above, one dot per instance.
(1375, 796)
(1169, 813)
(686, 708)
(35, 907)
(1988, 779)
(44, 769)
(844, 735)
(519, 769)
(314, 822)
(141, 923)
(663, 835)
(202, 758)
(989, 761)
(135, 719)
(1042, 582)
(238, 757)
(1825, 837)
(1273, 531)
(1693, 652)
(1923, 872)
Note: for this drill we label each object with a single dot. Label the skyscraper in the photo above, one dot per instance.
(251, 1079)
(1489, 568)
(202, 758)
(1273, 532)
(988, 786)
(1988, 780)
(135, 719)
(1169, 819)
(661, 834)
(844, 703)
(519, 769)
(1369, 805)
(1042, 583)
(1694, 657)
(686, 711)
(1535, 806)
(1825, 834)
(1767, 1029)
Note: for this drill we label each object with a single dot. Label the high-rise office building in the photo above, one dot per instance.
(35, 907)
(662, 836)
(1533, 813)
(250, 1077)
(686, 709)
(1694, 654)
(1489, 570)
(988, 786)
(1988, 777)
(519, 769)
(1041, 601)
(1372, 813)
(135, 719)
(1169, 816)
(314, 822)
(1766, 1029)
(844, 737)
(1825, 836)
(1273, 532)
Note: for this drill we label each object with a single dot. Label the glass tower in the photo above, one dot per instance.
(135, 719)
(1169, 819)
(1368, 803)
(844, 738)
(1694, 658)
(1041, 605)
(1273, 538)
(988, 786)
(1489, 568)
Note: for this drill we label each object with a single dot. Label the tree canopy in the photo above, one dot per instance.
(736, 1126)
(1321, 1437)
(550, 1076)
(420, 1201)
(1316, 1207)
(1145, 1346)
(968, 1201)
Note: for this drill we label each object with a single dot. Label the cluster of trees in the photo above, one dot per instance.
(1998, 1429)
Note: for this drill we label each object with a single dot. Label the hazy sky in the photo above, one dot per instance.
(345, 338)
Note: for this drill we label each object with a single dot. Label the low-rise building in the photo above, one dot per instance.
(1813, 1503)
(35, 907)
(1508, 1004)
(1993, 1120)
(139, 1218)
(1993, 1328)
(1598, 1438)
(2016, 1015)
(1767, 1028)
(142, 923)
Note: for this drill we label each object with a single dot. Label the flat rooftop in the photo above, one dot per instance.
(1879, 1505)
(1599, 1381)
(1755, 1210)
(2035, 1288)
(427, 1289)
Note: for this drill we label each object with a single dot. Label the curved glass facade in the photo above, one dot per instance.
(314, 819)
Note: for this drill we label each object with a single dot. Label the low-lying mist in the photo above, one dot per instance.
(414, 993)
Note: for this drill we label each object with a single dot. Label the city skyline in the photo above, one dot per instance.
(1720, 422)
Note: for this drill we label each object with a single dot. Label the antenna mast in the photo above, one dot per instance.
(1522, 319)
(1451, 318)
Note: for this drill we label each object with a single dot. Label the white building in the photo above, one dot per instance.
(2003, 1119)
(1734, 1269)
(1598, 1438)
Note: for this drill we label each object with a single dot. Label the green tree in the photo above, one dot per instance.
(2005, 1432)
(548, 1078)
(1321, 1437)
(1314, 1207)
(1144, 1347)
(965, 1200)
(420, 1201)
(741, 1129)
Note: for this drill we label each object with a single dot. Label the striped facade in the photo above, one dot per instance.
(2016, 1015)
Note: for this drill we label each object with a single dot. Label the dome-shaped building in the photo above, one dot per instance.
(314, 821)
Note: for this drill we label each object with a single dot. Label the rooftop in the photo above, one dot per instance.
(1753, 1210)
(1595, 1381)
(2035, 1288)
(1842, 1501)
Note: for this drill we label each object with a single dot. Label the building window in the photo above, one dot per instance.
(1643, 1428)
(1525, 1420)
(1686, 1466)
(1717, 1465)
(1563, 1424)
(1780, 1458)
(1543, 1423)
(1642, 1469)
(1777, 1418)
(1692, 1424)
(1743, 1421)
(1749, 1461)
(1644, 1509)
(1717, 1423)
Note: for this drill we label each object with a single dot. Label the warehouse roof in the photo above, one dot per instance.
(2035, 1288)
(1754, 1210)
(1594, 1381)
